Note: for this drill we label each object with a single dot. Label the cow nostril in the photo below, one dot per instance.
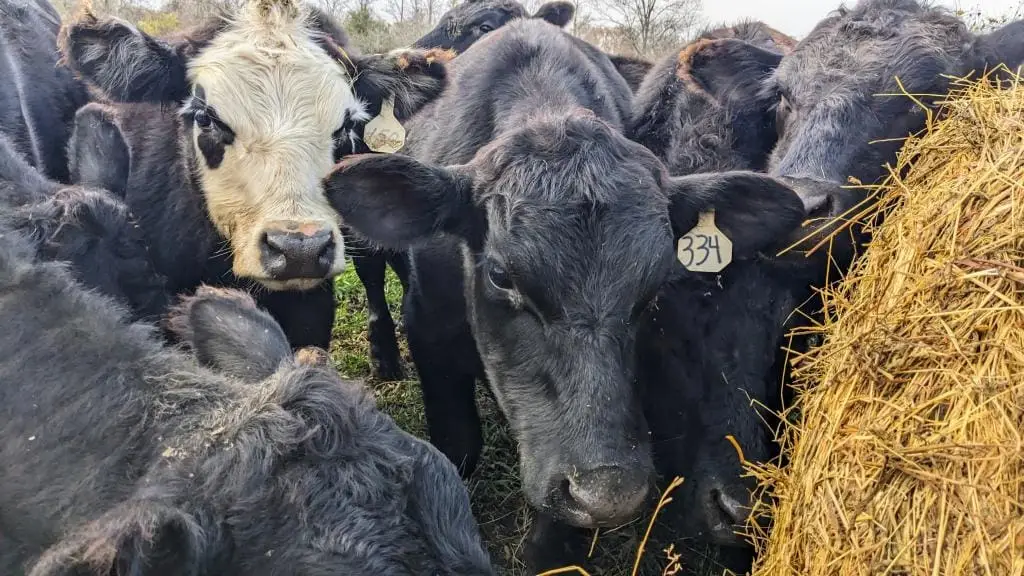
(735, 511)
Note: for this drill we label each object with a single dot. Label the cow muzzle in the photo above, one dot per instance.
(291, 250)
(600, 496)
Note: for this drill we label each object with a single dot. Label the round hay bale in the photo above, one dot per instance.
(908, 453)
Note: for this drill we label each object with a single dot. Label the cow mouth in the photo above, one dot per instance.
(562, 506)
(292, 284)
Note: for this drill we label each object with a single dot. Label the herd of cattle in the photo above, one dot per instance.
(174, 209)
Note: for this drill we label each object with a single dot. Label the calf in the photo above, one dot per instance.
(702, 109)
(123, 457)
(539, 235)
(232, 127)
(711, 348)
(460, 27)
(86, 225)
(38, 96)
(457, 30)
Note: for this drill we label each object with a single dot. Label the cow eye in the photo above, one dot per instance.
(485, 28)
(499, 277)
(203, 119)
(782, 112)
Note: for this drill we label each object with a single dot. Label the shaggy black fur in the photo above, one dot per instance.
(124, 457)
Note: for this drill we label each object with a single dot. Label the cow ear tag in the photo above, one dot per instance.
(704, 248)
(384, 133)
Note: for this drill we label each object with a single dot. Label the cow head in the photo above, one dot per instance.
(86, 224)
(300, 474)
(460, 27)
(567, 233)
(833, 121)
(269, 100)
(702, 109)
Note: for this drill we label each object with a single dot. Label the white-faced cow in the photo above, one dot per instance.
(539, 235)
(711, 348)
(120, 456)
(85, 225)
(38, 96)
(232, 127)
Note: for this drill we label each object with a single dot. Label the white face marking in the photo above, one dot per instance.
(284, 98)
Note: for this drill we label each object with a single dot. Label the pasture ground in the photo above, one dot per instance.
(495, 491)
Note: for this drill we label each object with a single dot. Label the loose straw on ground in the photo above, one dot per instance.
(907, 455)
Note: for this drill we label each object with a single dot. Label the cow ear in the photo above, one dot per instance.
(413, 76)
(140, 538)
(396, 201)
(754, 211)
(98, 154)
(557, 13)
(123, 62)
(727, 68)
(229, 333)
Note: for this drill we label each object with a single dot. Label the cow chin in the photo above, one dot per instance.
(293, 285)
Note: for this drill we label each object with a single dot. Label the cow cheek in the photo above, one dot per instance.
(236, 221)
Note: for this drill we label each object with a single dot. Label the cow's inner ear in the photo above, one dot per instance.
(125, 63)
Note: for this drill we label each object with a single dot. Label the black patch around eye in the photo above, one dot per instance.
(343, 138)
(212, 146)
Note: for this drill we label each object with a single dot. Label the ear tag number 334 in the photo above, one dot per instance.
(704, 248)
(385, 133)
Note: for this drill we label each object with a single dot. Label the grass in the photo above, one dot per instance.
(494, 488)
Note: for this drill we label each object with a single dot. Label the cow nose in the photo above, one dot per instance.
(726, 511)
(609, 494)
(296, 250)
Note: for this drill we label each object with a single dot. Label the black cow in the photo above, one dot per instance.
(1005, 46)
(702, 109)
(232, 127)
(124, 457)
(86, 225)
(539, 236)
(38, 96)
(460, 27)
(711, 349)
(457, 30)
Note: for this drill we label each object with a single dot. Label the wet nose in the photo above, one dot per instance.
(297, 250)
(609, 494)
(726, 511)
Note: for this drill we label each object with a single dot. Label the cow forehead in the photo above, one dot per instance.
(584, 251)
(265, 81)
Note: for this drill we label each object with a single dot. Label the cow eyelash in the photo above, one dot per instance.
(198, 109)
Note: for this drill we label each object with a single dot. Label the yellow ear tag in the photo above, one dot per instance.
(384, 133)
(704, 248)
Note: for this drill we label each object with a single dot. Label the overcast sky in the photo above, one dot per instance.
(797, 17)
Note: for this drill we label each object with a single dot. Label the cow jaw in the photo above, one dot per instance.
(283, 99)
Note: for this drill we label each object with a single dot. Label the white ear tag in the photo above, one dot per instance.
(704, 248)
(384, 133)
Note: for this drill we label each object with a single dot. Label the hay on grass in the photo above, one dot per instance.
(907, 456)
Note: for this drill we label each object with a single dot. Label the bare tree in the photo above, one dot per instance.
(335, 8)
(981, 20)
(652, 26)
